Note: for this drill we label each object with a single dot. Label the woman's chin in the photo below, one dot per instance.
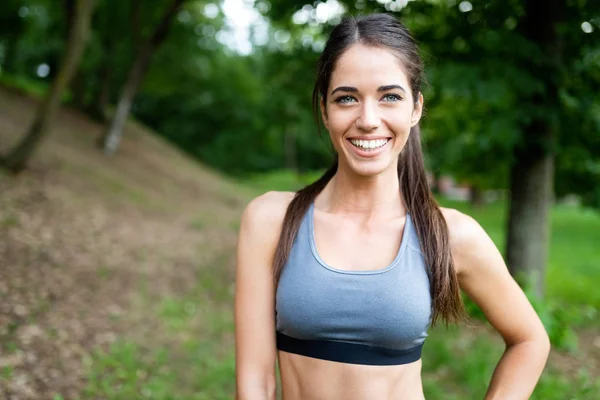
(366, 164)
(370, 168)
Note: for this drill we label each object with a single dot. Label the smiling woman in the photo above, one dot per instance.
(377, 106)
(341, 280)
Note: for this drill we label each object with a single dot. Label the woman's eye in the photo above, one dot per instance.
(344, 99)
(391, 98)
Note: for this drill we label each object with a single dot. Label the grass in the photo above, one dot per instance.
(196, 362)
(19, 83)
(459, 366)
(9, 220)
(128, 371)
(199, 362)
(283, 180)
(574, 258)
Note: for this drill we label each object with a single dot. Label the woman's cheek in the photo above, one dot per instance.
(339, 124)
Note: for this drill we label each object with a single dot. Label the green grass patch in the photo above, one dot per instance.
(458, 364)
(574, 268)
(196, 360)
(574, 259)
(198, 224)
(10, 220)
(176, 313)
(198, 368)
(11, 346)
(105, 273)
(281, 180)
(114, 185)
(7, 372)
(24, 85)
(127, 371)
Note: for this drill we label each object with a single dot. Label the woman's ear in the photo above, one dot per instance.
(417, 111)
(324, 113)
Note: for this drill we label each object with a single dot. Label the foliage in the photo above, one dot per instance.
(479, 68)
(251, 113)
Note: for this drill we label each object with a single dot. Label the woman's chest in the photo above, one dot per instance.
(389, 309)
(350, 247)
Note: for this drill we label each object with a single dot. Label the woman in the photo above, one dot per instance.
(341, 280)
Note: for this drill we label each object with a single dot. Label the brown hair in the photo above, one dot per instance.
(385, 31)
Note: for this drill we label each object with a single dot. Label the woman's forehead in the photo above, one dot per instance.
(366, 67)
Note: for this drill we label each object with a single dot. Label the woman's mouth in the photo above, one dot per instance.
(369, 145)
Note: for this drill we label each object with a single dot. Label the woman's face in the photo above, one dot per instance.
(369, 109)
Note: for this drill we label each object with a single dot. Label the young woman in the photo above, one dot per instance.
(340, 281)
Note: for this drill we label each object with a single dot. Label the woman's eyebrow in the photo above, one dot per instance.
(390, 87)
(344, 89)
(379, 89)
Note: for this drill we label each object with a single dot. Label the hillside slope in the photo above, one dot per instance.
(90, 246)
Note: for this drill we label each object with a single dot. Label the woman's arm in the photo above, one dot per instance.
(255, 297)
(483, 275)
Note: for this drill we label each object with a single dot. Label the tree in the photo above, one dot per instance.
(112, 136)
(532, 171)
(16, 160)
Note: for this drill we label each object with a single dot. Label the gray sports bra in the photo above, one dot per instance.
(376, 317)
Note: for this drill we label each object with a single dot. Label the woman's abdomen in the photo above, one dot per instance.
(305, 378)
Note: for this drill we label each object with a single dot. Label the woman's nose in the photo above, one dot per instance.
(369, 118)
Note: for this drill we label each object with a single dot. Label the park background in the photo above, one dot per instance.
(133, 133)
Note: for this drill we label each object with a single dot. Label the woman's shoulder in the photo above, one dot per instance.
(460, 225)
(467, 237)
(269, 206)
(265, 213)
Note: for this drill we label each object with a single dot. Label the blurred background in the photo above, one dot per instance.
(133, 133)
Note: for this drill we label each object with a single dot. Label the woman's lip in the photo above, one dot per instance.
(368, 137)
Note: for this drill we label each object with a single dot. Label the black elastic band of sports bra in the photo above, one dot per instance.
(350, 353)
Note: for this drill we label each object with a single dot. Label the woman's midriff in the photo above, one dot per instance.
(305, 378)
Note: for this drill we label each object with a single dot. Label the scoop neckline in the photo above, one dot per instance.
(313, 247)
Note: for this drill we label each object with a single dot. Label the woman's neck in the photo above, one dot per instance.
(350, 193)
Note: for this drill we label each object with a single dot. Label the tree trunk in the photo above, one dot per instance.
(70, 7)
(532, 173)
(135, 25)
(17, 158)
(477, 196)
(97, 109)
(78, 82)
(291, 154)
(78, 89)
(112, 136)
(101, 92)
(530, 203)
(10, 56)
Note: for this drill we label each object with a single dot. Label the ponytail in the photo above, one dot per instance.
(432, 231)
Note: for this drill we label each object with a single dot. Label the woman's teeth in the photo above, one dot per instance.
(369, 144)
